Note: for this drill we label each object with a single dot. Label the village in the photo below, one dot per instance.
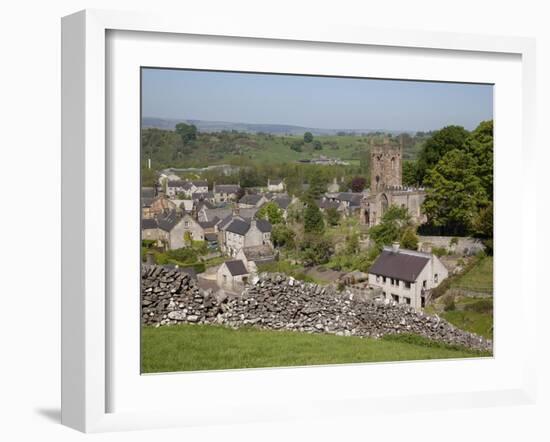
(231, 228)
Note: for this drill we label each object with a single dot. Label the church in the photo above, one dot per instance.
(386, 187)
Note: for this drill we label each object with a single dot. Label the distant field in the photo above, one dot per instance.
(479, 278)
(207, 347)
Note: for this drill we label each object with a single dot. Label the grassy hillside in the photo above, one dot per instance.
(167, 149)
(479, 278)
(207, 347)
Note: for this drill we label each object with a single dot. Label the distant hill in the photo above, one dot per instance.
(274, 129)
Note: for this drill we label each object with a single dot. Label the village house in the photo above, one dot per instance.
(187, 188)
(192, 229)
(150, 230)
(225, 192)
(275, 185)
(406, 276)
(256, 255)
(232, 275)
(171, 230)
(249, 201)
(237, 232)
(156, 206)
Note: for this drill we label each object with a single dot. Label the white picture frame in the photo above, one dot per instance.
(87, 317)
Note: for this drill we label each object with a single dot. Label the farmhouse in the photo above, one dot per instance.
(406, 276)
(232, 275)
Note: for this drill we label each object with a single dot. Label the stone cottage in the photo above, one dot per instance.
(232, 275)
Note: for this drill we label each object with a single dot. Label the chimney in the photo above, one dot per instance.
(395, 247)
(235, 209)
(253, 223)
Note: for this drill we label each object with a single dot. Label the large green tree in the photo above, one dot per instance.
(187, 132)
(441, 142)
(455, 193)
(394, 223)
(480, 146)
(271, 212)
(313, 219)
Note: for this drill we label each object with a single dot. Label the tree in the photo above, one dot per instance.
(313, 219)
(409, 239)
(332, 216)
(308, 137)
(483, 222)
(316, 250)
(454, 193)
(358, 184)
(282, 236)
(187, 132)
(352, 244)
(480, 146)
(297, 146)
(392, 227)
(441, 142)
(409, 174)
(317, 187)
(317, 145)
(271, 212)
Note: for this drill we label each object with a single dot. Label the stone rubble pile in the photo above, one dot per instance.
(278, 302)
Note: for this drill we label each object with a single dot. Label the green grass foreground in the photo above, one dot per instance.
(208, 347)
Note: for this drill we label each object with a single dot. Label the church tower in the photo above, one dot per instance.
(385, 166)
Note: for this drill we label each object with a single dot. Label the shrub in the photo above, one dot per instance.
(449, 303)
(439, 251)
(481, 306)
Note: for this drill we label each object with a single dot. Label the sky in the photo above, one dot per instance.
(315, 102)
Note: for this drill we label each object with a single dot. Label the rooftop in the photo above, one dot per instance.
(403, 264)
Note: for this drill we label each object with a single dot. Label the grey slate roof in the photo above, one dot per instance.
(353, 198)
(282, 202)
(168, 222)
(211, 223)
(250, 199)
(211, 237)
(148, 223)
(264, 225)
(401, 265)
(238, 226)
(227, 188)
(236, 267)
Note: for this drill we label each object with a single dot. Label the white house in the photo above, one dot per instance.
(232, 275)
(276, 185)
(225, 192)
(188, 188)
(406, 276)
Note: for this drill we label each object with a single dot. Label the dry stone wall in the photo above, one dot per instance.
(278, 302)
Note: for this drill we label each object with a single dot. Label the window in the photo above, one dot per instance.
(407, 285)
(377, 278)
(424, 284)
(407, 300)
(186, 223)
(395, 297)
(422, 301)
(435, 278)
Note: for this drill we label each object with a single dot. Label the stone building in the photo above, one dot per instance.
(406, 276)
(386, 187)
(232, 275)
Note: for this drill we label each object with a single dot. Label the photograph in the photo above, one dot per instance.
(303, 220)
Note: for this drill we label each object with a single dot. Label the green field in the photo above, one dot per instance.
(475, 322)
(207, 347)
(479, 278)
